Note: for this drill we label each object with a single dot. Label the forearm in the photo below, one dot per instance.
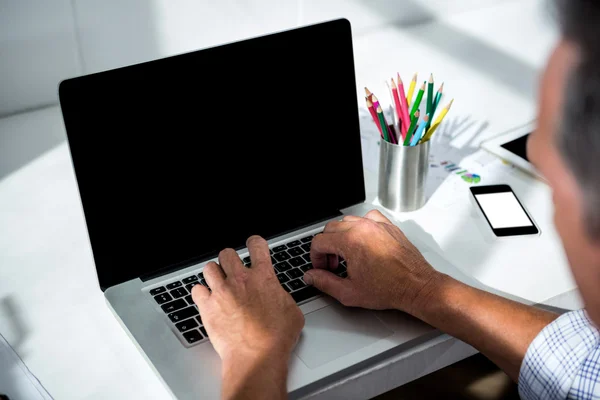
(263, 378)
(499, 328)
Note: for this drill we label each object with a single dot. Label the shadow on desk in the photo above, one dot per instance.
(474, 378)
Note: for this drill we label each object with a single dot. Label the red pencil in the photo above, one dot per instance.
(374, 115)
(377, 105)
(405, 111)
(369, 94)
(399, 110)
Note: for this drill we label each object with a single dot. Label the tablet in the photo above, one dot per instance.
(512, 147)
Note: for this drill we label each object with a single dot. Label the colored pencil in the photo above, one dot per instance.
(436, 103)
(374, 115)
(413, 125)
(419, 132)
(418, 100)
(430, 96)
(411, 89)
(395, 118)
(438, 97)
(368, 94)
(400, 110)
(404, 102)
(386, 136)
(438, 121)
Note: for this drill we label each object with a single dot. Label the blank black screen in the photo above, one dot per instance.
(181, 157)
(518, 146)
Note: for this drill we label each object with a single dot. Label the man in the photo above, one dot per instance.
(254, 324)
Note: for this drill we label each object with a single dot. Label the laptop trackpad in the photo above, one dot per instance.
(335, 331)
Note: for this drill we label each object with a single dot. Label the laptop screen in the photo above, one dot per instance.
(181, 157)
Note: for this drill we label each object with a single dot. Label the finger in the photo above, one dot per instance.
(214, 275)
(230, 262)
(200, 294)
(325, 244)
(327, 282)
(351, 218)
(333, 261)
(259, 253)
(376, 215)
(338, 226)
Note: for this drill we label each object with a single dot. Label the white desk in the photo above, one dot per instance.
(53, 313)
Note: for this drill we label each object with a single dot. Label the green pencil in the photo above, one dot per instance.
(411, 129)
(383, 124)
(436, 103)
(430, 96)
(418, 100)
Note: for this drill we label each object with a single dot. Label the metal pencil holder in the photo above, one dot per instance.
(402, 176)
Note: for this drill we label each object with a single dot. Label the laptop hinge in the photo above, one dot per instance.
(206, 257)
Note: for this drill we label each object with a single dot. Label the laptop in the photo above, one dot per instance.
(181, 157)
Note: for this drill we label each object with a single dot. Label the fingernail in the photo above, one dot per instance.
(308, 279)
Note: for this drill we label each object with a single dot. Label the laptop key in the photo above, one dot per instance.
(305, 294)
(199, 319)
(287, 289)
(279, 248)
(282, 256)
(191, 285)
(158, 290)
(306, 247)
(306, 267)
(246, 260)
(295, 273)
(173, 306)
(294, 244)
(296, 284)
(297, 261)
(273, 260)
(296, 251)
(203, 329)
(201, 276)
(187, 325)
(189, 299)
(174, 285)
(306, 257)
(190, 279)
(179, 292)
(192, 336)
(183, 314)
(282, 278)
(307, 239)
(283, 266)
(163, 298)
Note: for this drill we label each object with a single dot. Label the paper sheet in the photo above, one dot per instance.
(16, 381)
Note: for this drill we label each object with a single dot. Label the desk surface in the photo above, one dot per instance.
(55, 317)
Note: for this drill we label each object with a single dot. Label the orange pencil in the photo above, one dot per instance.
(369, 94)
(374, 115)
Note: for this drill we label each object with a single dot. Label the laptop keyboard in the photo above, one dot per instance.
(290, 261)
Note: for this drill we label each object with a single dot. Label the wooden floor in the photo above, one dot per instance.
(475, 378)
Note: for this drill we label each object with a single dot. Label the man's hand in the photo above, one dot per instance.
(252, 322)
(385, 271)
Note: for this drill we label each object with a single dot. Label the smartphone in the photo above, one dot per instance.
(503, 211)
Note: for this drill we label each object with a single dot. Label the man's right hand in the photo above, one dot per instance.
(385, 271)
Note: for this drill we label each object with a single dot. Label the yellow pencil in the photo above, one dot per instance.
(411, 89)
(437, 122)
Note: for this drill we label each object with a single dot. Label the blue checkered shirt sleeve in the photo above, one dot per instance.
(563, 361)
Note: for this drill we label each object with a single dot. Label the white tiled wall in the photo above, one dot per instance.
(42, 42)
(37, 49)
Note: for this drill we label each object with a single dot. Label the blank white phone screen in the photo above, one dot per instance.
(503, 210)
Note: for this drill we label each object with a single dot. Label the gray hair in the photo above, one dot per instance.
(579, 137)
